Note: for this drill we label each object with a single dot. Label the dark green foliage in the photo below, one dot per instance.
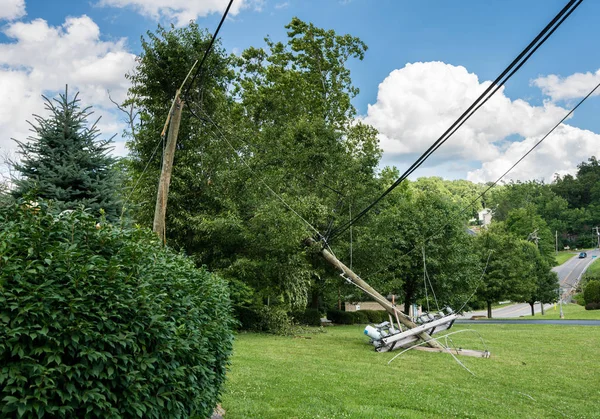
(591, 293)
(375, 316)
(583, 190)
(352, 317)
(5, 195)
(507, 276)
(309, 317)
(360, 317)
(592, 306)
(412, 222)
(268, 319)
(579, 299)
(248, 318)
(340, 317)
(66, 162)
(104, 322)
(287, 112)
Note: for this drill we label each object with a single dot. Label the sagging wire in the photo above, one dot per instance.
(396, 311)
(478, 282)
(238, 154)
(445, 347)
(426, 275)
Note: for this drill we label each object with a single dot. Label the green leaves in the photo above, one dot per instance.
(99, 333)
(65, 161)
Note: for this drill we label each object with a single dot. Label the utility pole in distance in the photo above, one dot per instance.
(160, 210)
(597, 234)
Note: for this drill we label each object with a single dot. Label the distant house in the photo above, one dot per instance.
(372, 305)
(485, 217)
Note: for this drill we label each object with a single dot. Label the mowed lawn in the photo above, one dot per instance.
(536, 371)
(564, 256)
(570, 311)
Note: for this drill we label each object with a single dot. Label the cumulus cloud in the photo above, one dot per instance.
(182, 11)
(563, 88)
(12, 9)
(560, 153)
(42, 59)
(417, 103)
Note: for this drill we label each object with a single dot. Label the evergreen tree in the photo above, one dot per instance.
(65, 161)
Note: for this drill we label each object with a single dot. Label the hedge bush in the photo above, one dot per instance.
(357, 317)
(592, 306)
(309, 317)
(360, 317)
(101, 321)
(591, 292)
(340, 317)
(268, 319)
(376, 316)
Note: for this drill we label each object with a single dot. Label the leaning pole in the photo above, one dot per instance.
(358, 281)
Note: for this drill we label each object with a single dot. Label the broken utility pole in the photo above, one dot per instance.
(329, 257)
(159, 224)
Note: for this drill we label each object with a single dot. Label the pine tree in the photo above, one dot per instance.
(65, 161)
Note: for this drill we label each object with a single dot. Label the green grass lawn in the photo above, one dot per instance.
(594, 268)
(562, 257)
(535, 372)
(571, 312)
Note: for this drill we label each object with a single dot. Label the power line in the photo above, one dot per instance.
(177, 94)
(261, 180)
(469, 205)
(516, 64)
(212, 41)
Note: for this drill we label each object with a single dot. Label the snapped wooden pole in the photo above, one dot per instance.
(160, 210)
(329, 257)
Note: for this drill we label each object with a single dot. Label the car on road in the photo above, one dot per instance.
(582, 255)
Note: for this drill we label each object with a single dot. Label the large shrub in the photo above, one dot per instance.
(591, 292)
(355, 317)
(268, 319)
(100, 321)
(309, 317)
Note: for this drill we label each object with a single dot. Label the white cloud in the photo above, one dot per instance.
(283, 5)
(42, 59)
(560, 153)
(574, 86)
(417, 103)
(182, 11)
(12, 9)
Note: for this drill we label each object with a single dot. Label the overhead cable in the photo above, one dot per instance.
(490, 186)
(207, 51)
(515, 65)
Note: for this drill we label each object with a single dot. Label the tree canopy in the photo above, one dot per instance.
(65, 161)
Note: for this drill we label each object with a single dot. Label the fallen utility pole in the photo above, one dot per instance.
(160, 210)
(356, 280)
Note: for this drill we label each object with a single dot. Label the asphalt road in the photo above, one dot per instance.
(569, 274)
(532, 321)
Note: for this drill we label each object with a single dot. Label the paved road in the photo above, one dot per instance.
(532, 321)
(569, 274)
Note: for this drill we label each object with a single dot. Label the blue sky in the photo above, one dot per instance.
(452, 46)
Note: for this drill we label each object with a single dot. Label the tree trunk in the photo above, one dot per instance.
(489, 307)
(542, 306)
(314, 303)
(408, 301)
(532, 308)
